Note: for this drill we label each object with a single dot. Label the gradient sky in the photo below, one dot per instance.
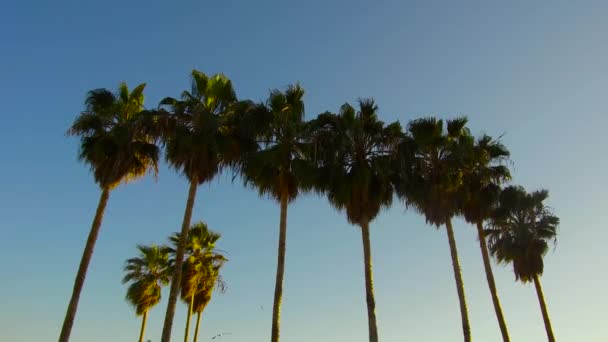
(536, 72)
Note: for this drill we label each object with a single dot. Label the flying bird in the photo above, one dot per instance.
(220, 335)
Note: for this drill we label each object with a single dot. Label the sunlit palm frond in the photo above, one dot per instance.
(146, 274)
(117, 140)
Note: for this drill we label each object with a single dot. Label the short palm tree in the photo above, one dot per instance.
(434, 183)
(147, 274)
(277, 169)
(209, 280)
(200, 267)
(353, 151)
(199, 142)
(520, 232)
(485, 172)
(116, 144)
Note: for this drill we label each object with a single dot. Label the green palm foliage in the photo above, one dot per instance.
(208, 279)
(147, 274)
(279, 168)
(433, 185)
(115, 142)
(520, 232)
(200, 274)
(485, 172)
(353, 150)
(200, 139)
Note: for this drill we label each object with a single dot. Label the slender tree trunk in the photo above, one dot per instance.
(70, 315)
(278, 286)
(466, 328)
(188, 319)
(198, 322)
(143, 327)
(543, 309)
(179, 260)
(491, 284)
(369, 284)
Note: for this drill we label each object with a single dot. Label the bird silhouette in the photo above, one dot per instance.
(220, 335)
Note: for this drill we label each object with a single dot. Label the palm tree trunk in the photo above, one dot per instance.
(70, 315)
(143, 327)
(278, 286)
(543, 309)
(491, 284)
(179, 260)
(466, 328)
(198, 322)
(369, 284)
(188, 319)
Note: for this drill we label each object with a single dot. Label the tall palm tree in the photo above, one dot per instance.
(434, 185)
(519, 233)
(353, 151)
(199, 265)
(485, 171)
(199, 142)
(147, 274)
(277, 169)
(116, 144)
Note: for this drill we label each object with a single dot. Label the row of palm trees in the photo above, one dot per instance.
(357, 161)
(152, 269)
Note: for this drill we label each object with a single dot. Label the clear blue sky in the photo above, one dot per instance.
(536, 72)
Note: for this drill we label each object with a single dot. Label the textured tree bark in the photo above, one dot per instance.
(179, 260)
(70, 315)
(143, 327)
(198, 322)
(543, 309)
(491, 284)
(369, 284)
(278, 287)
(188, 319)
(466, 328)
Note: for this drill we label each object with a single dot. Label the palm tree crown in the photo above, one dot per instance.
(484, 172)
(278, 168)
(198, 142)
(521, 230)
(114, 136)
(147, 273)
(353, 150)
(202, 260)
(435, 182)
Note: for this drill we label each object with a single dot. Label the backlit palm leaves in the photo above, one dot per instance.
(146, 274)
(279, 169)
(435, 182)
(485, 171)
(353, 150)
(200, 270)
(199, 142)
(520, 233)
(116, 144)
(436, 167)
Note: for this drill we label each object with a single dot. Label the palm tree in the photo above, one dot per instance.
(277, 169)
(433, 186)
(147, 273)
(485, 172)
(208, 267)
(199, 142)
(353, 150)
(198, 267)
(519, 233)
(116, 144)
